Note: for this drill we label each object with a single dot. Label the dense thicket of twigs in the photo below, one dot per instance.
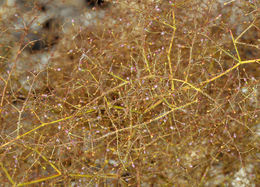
(150, 93)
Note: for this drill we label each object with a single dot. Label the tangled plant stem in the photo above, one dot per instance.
(144, 93)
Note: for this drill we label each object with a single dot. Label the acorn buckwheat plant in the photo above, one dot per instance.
(129, 93)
